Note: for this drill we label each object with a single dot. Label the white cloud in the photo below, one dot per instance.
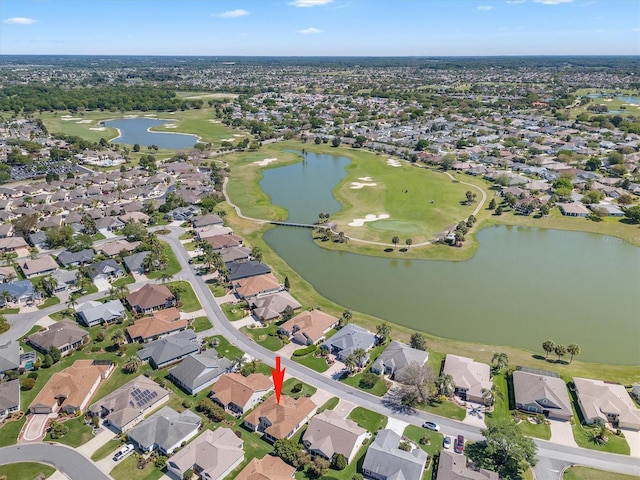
(233, 14)
(552, 2)
(516, 1)
(310, 3)
(485, 8)
(310, 31)
(20, 21)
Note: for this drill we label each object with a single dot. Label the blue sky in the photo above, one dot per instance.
(320, 27)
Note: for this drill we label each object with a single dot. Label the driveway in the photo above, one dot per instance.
(33, 429)
(396, 425)
(475, 415)
(562, 433)
(45, 321)
(633, 439)
(102, 284)
(288, 349)
(102, 437)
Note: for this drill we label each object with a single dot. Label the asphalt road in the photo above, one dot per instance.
(73, 464)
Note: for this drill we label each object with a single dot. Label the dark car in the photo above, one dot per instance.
(458, 444)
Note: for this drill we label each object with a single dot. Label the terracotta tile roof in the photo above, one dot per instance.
(236, 388)
(161, 322)
(223, 241)
(312, 323)
(284, 417)
(74, 384)
(252, 286)
(150, 296)
(269, 468)
(116, 246)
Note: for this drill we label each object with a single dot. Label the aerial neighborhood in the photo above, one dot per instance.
(141, 314)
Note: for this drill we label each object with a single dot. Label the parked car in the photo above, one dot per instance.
(458, 444)
(447, 442)
(431, 426)
(120, 454)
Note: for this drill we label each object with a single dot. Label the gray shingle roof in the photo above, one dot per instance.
(384, 458)
(200, 370)
(350, 338)
(104, 267)
(67, 258)
(238, 270)
(94, 312)
(17, 289)
(9, 395)
(9, 356)
(134, 262)
(165, 428)
(170, 348)
(397, 356)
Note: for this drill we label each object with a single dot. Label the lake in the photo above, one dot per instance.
(136, 130)
(524, 285)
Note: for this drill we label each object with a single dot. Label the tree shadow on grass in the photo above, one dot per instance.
(393, 401)
(388, 250)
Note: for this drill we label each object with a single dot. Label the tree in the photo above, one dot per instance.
(256, 253)
(28, 383)
(544, 210)
(592, 197)
(134, 231)
(633, 214)
(492, 204)
(383, 330)
(418, 341)
(573, 349)
(548, 346)
(55, 354)
(161, 462)
(446, 385)
(287, 285)
(132, 365)
(409, 242)
(118, 337)
(339, 461)
(57, 430)
(287, 313)
(136, 147)
(499, 210)
(48, 361)
(368, 380)
(419, 384)
(395, 241)
(165, 277)
(49, 284)
(504, 450)
(599, 434)
(500, 360)
(336, 141)
(88, 224)
(287, 450)
(346, 316)
(319, 466)
(471, 197)
(560, 351)
(350, 363)
(59, 236)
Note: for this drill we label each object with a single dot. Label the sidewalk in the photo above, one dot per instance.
(103, 436)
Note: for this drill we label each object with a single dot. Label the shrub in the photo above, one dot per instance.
(339, 461)
(33, 375)
(58, 430)
(357, 476)
(368, 380)
(304, 351)
(297, 387)
(28, 383)
(406, 446)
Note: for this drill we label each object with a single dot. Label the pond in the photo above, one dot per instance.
(136, 130)
(524, 285)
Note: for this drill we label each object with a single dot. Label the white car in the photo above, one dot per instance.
(447, 442)
(120, 454)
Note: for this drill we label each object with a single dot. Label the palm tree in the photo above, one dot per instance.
(599, 434)
(548, 346)
(560, 351)
(573, 349)
(395, 241)
(360, 354)
(72, 303)
(118, 337)
(500, 360)
(409, 242)
(350, 362)
(165, 277)
(382, 331)
(132, 365)
(446, 385)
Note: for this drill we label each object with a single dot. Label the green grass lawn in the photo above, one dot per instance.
(25, 470)
(225, 349)
(57, 316)
(200, 324)
(501, 404)
(379, 389)
(415, 434)
(254, 447)
(79, 433)
(49, 302)
(127, 469)
(329, 404)
(10, 430)
(108, 449)
(9, 311)
(319, 364)
(173, 266)
(218, 289)
(586, 473)
(190, 247)
(615, 444)
(306, 391)
(367, 419)
(529, 429)
(188, 297)
(186, 235)
(126, 280)
(445, 409)
(235, 312)
(347, 474)
(267, 336)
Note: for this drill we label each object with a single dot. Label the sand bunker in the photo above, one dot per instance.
(97, 129)
(238, 135)
(169, 125)
(150, 115)
(131, 116)
(265, 162)
(393, 163)
(227, 139)
(67, 118)
(213, 120)
(365, 179)
(358, 222)
(85, 121)
(358, 185)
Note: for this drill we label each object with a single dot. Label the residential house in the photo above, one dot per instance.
(21, 292)
(182, 214)
(38, 266)
(348, 339)
(65, 335)
(198, 371)
(73, 259)
(212, 455)
(7, 274)
(252, 287)
(472, 379)
(267, 468)
(224, 241)
(330, 433)
(134, 217)
(540, 391)
(71, 389)
(240, 270)
(270, 307)
(235, 254)
(104, 270)
(170, 349)
(13, 357)
(65, 279)
(11, 244)
(109, 224)
(308, 327)
(635, 392)
(6, 229)
(574, 209)
(165, 430)
(38, 240)
(93, 313)
(385, 461)
(125, 407)
(276, 421)
(602, 402)
(206, 220)
(159, 324)
(151, 297)
(395, 359)
(135, 262)
(452, 466)
(239, 394)
(9, 398)
(212, 231)
(116, 246)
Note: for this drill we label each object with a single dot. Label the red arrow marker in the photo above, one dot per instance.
(278, 378)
